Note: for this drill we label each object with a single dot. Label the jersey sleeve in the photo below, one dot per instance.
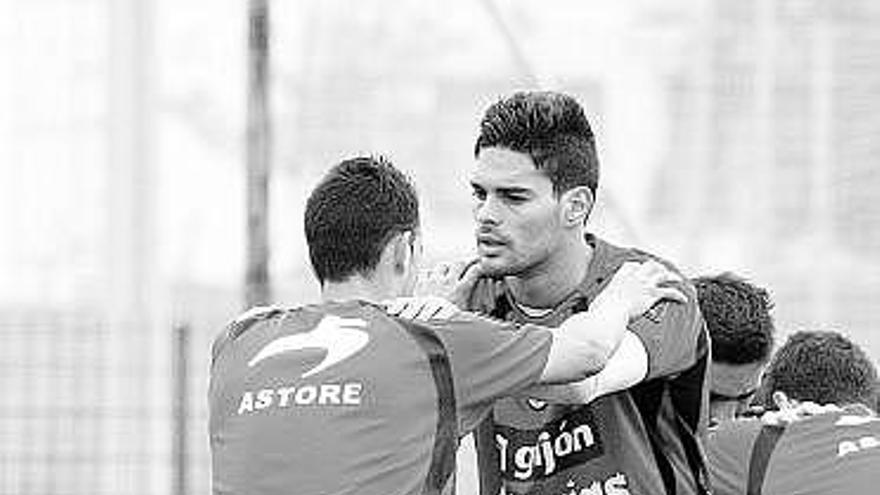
(672, 333)
(490, 360)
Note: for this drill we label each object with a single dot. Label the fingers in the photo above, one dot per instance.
(470, 271)
(394, 306)
(415, 308)
(420, 308)
(791, 410)
(782, 401)
(672, 294)
(445, 312)
(448, 279)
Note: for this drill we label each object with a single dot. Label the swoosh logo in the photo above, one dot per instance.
(340, 337)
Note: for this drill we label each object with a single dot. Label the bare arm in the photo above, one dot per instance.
(627, 366)
(584, 343)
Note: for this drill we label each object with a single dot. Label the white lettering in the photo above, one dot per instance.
(351, 393)
(501, 443)
(595, 488)
(330, 394)
(284, 394)
(264, 398)
(524, 458)
(868, 442)
(616, 485)
(852, 446)
(564, 444)
(306, 395)
(325, 394)
(247, 403)
(846, 447)
(586, 434)
(546, 452)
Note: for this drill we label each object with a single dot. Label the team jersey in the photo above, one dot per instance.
(835, 453)
(637, 441)
(340, 398)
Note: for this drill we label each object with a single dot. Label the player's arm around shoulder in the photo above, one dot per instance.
(673, 336)
(586, 341)
(629, 363)
(626, 367)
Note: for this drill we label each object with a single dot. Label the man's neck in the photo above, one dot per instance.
(354, 288)
(550, 283)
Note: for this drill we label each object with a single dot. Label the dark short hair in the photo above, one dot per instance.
(552, 129)
(823, 367)
(737, 315)
(358, 206)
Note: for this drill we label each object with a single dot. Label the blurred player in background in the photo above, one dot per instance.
(835, 451)
(340, 397)
(737, 315)
(534, 187)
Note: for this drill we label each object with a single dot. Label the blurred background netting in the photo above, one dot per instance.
(734, 135)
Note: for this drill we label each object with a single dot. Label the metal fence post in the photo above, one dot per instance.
(180, 409)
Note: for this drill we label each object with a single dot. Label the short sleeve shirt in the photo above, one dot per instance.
(836, 453)
(635, 441)
(341, 398)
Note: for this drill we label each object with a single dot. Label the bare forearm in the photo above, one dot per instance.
(627, 366)
(584, 342)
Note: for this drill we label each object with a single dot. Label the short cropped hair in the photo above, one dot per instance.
(737, 315)
(552, 129)
(822, 367)
(358, 206)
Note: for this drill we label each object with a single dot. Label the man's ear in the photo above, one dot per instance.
(401, 246)
(577, 203)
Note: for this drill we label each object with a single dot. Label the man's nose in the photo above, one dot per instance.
(486, 211)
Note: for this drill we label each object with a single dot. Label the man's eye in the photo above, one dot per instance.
(513, 198)
(479, 194)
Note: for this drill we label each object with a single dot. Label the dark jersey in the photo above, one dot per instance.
(341, 398)
(835, 453)
(636, 441)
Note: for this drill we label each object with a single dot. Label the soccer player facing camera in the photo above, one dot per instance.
(534, 186)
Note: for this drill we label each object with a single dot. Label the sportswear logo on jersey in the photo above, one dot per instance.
(536, 404)
(340, 337)
(533, 455)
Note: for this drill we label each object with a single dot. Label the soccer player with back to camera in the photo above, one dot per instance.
(342, 397)
(829, 448)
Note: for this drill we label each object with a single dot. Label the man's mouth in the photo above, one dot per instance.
(489, 242)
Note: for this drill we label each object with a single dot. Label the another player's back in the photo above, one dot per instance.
(326, 399)
(834, 453)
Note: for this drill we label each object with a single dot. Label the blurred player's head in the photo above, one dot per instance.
(535, 180)
(821, 367)
(362, 220)
(737, 315)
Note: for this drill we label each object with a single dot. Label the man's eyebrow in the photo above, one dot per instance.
(503, 189)
(514, 190)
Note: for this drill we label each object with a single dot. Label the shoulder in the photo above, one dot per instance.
(611, 256)
(242, 323)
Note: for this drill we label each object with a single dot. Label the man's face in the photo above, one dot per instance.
(518, 218)
(732, 388)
